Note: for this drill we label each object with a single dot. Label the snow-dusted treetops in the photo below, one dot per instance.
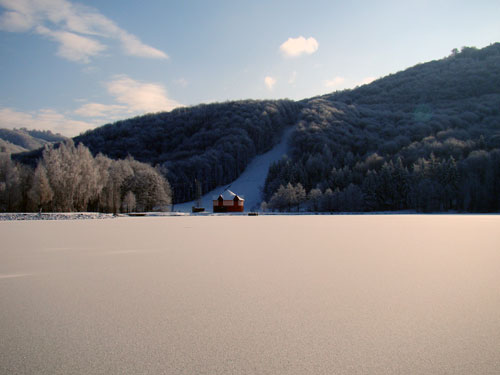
(68, 178)
(427, 138)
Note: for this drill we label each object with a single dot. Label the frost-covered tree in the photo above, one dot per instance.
(87, 186)
(10, 196)
(119, 171)
(299, 195)
(104, 201)
(314, 197)
(41, 193)
(280, 200)
(59, 164)
(150, 188)
(287, 197)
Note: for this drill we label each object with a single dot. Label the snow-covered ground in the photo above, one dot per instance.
(385, 294)
(250, 183)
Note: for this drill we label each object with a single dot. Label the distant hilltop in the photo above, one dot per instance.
(21, 140)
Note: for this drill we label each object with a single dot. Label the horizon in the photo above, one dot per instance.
(72, 66)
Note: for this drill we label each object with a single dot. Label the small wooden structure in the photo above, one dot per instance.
(229, 202)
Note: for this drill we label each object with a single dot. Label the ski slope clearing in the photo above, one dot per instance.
(233, 295)
(249, 184)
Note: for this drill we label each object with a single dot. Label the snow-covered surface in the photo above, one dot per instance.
(228, 195)
(250, 183)
(385, 294)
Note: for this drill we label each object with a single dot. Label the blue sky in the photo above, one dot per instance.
(69, 66)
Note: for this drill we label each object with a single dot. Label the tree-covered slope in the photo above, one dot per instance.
(7, 147)
(426, 138)
(26, 140)
(462, 75)
(210, 143)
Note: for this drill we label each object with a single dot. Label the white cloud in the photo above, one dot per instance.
(72, 46)
(134, 47)
(79, 29)
(337, 81)
(15, 22)
(109, 111)
(295, 47)
(269, 82)
(140, 96)
(131, 98)
(45, 119)
(292, 78)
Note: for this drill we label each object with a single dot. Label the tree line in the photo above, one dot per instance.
(430, 185)
(69, 178)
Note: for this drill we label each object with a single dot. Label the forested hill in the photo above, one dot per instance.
(210, 143)
(462, 75)
(20, 140)
(427, 138)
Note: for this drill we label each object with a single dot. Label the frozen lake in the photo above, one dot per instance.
(391, 294)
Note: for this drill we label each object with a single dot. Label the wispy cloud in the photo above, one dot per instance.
(15, 21)
(46, 119)
(295, 47)
(131, 98)
(134, 47)
(72, 46)
(270, 82)
(140, 96)
(292, 78)
(81, 31)
(108, 111)
(335, 82)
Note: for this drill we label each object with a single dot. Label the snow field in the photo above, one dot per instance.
(311, 294)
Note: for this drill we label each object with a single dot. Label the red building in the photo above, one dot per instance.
(228, 202)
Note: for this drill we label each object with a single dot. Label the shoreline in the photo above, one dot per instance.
(25, 216)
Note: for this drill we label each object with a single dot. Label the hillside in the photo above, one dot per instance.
(210, 143)
(9, 148)
(20, 140)
(426, 138)
(250, 183)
